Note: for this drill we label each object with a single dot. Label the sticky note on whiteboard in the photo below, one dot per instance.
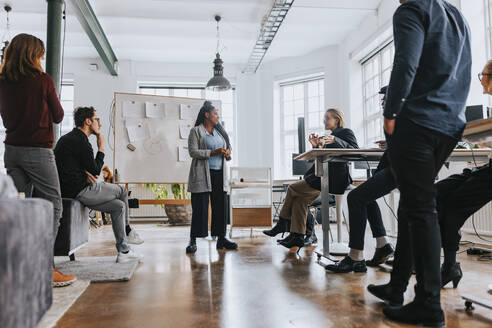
(137, 130)
(183, 154)
(155, 110)
(133, 109)
(184, 129)
(187, 112)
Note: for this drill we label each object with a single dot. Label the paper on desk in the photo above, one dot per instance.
(137, 130)
(155, 110)
(183, 154)
(188, 112)
(133, 109)
(184, 129)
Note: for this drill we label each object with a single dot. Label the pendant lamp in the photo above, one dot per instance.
(218, 82)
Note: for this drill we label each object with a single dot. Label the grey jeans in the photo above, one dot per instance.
(35, 167)
(113, 199)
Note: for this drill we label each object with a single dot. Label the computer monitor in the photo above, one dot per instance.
(300, 167)
(473, 113)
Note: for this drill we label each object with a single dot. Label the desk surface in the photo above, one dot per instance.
(479, 132)
(377, 153)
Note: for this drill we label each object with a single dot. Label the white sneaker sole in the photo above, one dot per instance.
(64, 283)
(135, 242)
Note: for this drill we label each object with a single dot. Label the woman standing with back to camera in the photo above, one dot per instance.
(29, 106)
(209, 147)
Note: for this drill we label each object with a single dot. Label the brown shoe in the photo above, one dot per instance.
(62, 280)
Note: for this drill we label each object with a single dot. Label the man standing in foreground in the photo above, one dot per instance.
(424, 114)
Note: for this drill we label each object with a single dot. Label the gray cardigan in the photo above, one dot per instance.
(199, 178)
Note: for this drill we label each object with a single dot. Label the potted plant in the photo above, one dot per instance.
(177, 214)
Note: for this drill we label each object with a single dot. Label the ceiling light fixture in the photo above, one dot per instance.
(6, 34)
(218, 82)
(269, 27)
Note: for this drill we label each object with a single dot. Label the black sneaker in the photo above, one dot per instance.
(224, 243)
(347, 265)
(416, 313)
(387, 293)
(381, 255)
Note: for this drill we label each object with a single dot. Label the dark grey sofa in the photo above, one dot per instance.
(73, 232)
(26, 261)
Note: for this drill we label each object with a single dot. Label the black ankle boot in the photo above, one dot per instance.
(381, 255)
(191, 248)
(296, 239)
(282, 226)
(224, 243)
(451, 272)
(387, 293)
(416, 313)
(286, 239)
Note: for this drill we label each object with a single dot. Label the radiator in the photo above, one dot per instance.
(145, 211)
(483, 221)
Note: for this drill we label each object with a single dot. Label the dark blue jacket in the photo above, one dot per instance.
(338, 173)
(431, 73)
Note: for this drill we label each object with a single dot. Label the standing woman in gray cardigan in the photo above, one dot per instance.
(209, 147)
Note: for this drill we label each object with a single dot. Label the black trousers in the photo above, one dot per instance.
(416, 155)
(458, 197)
(363, 207)
(199, 204)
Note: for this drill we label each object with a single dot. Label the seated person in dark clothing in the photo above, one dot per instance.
(78, 171)
(302, 193)
(363, 207)
(458, 197)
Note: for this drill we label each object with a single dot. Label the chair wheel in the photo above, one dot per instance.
(469, 306)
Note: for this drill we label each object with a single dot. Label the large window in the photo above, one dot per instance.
(376, 72)
(299, 99)
(227, 99)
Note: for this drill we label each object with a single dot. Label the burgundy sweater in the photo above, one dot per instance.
(29, 107)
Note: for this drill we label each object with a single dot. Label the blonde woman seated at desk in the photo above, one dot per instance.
(302, 193)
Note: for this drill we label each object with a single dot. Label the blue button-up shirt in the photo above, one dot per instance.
(431, 73)
(214, 141)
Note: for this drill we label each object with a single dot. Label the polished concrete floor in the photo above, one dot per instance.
(260, 285)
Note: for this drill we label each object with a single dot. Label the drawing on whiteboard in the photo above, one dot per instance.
(184, 129)
(153, 146)
(183, 154)
(133, 109)
(155, 110)
(137, 130)
(187, 112)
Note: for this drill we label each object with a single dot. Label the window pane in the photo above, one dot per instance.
(313, 120)
(321, 87)
(299, 91)
(288, 93)
(313, 88)
(299, 107)
(289, 108)
(180, 93)
(289, 123)
(195, 93)
(162, 92)
(313, 104)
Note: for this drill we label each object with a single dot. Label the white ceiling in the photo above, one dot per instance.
(184, 30)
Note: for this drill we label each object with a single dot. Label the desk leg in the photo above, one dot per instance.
(322, 171)
(325, 210)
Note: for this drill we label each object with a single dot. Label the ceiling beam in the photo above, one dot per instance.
(89, 22)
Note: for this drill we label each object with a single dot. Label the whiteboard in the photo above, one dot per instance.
(157, 127)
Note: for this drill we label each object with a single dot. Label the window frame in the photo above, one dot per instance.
(488, 27)
(371, 118)
(283, 133)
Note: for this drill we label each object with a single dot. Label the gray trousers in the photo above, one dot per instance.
(35, 167)
(113, 199)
